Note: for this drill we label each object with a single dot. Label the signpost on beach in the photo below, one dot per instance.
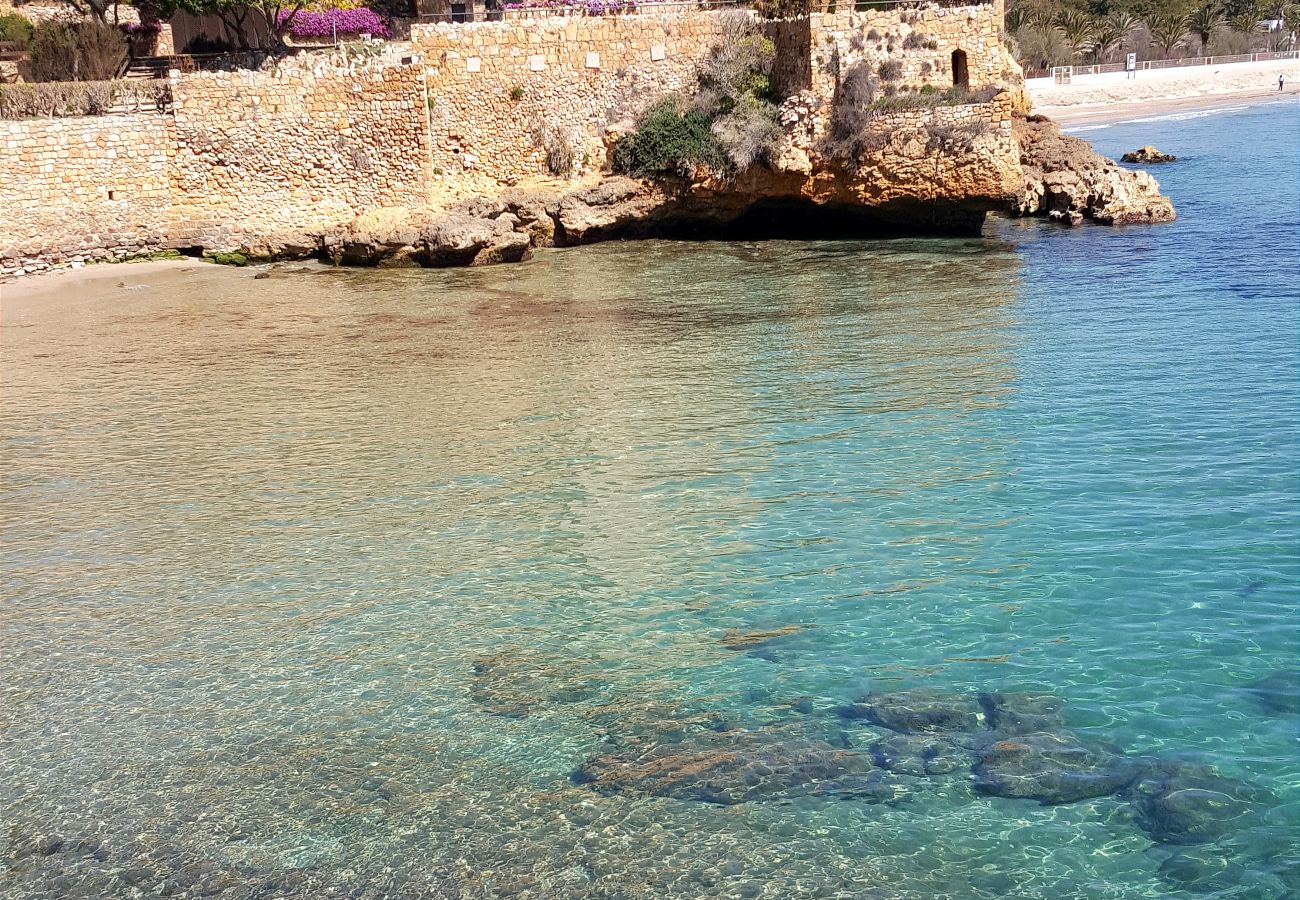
(1131, 65)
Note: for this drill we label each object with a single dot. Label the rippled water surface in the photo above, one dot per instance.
(326, 584)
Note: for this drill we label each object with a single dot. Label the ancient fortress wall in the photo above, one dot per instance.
(249, 156)
(241, 156)
(298, 150)
(495, 86)
(922, 40)
(89, 188)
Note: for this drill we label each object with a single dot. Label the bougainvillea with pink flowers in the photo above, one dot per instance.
(589, 7)
(329, 22)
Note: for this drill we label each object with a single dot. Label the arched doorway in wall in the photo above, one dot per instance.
(960, 71)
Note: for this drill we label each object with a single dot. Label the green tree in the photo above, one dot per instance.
(1076, 26)
(1168, 30)
(1246, 18)
(275, 16)
(1111, 32)
(1205, 21)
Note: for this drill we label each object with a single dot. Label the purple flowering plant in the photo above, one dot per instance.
(329, 22)
(589, 7)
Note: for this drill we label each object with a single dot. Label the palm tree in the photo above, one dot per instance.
(1247, 20)
(1076, 26)
(1290, 16)
(1205, 22)
(1017, 17)
(1111, 32)
(1168, 29)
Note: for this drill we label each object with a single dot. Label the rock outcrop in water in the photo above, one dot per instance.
(912, 177)
(1147, 154)
(1067, 181)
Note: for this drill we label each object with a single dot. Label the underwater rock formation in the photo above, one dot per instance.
(1278, 693)
(919, 712)
(1022, 712)
(919, 755)
(513, 683)
(1050, 768)
(741, 768)
(1189, 803)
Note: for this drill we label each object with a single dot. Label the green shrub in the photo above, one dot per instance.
(87, 51)
(670, 139)
(80, 98)
(517, 93)
(561, 146)
(732, 123)
(890, 70)
(16, 30)
(738, 66)
(749, 133)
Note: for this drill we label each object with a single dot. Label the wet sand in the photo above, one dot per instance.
(1111, 113)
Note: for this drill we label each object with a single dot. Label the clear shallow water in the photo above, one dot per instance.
(323, 585)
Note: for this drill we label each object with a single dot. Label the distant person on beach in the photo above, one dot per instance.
(1280, 78)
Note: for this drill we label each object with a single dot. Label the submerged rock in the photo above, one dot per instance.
(515, 683)
(743, 769)
(1022, 713)
(750, 640)
(1066, 180)
(1147, 154)
(919, 755)
(1189, 803)
(1278, 693)
(1050, 768)
(919, 712)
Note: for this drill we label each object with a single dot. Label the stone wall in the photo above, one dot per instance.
(243, 158)
(917, 44)
(295, 150)
(83, 189)
(495, 86)
(264, 159)
(501, 92)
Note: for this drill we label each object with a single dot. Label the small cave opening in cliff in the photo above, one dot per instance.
(805, 220)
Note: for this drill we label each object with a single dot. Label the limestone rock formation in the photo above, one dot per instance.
(403, 236)
(917, 171)
(1147, 154)
(1066, 180)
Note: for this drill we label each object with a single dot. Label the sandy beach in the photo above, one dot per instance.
(97, 279)
(1114, 97)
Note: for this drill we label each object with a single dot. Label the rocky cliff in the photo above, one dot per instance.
(916, 174)
(1067, 181)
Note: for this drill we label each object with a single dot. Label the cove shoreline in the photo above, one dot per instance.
(1085, 116)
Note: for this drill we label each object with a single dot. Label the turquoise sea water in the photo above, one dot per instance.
(324, 585)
